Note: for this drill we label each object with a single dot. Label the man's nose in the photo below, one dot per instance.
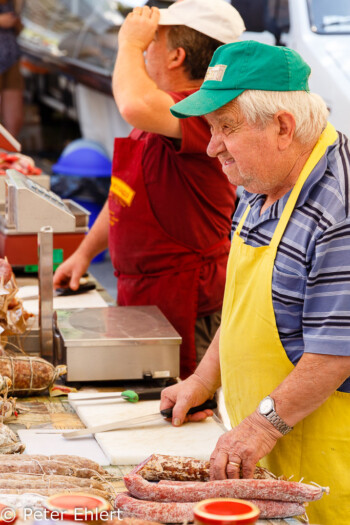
(215, 146)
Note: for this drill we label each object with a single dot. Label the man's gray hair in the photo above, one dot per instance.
(309, 110)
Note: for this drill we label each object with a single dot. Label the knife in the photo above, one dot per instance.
(132, 396)
(126, 423)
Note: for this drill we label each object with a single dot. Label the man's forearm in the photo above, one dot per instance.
(308, 386)
(97, 239)
(130, 78)
(208, 370)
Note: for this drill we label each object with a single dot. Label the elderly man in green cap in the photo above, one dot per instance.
(282, 353)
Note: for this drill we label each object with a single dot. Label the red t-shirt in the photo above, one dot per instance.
(184, 183)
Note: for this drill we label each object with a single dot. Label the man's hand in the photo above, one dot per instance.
(185, 395)
(139, 27)
(69, 272)
(241, 448)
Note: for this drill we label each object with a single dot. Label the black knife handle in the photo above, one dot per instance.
(83, 288)
(210, 403)
(149, 393)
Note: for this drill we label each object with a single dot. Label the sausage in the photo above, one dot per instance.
(52, 491)
(179, 468)
(46, 484)
(158, 466)
(9, 442)
(19, 480)
(5, 272)
(152, 510)
(270, 509)
(29, 374)
(180, 512)
(186, 491)
(47, 466)
(76, 461)
(133, 521)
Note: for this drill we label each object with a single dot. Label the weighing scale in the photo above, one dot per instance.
(96, 344)
(116, 343)
(30, 206)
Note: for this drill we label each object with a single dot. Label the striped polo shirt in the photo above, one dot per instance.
(311, 276)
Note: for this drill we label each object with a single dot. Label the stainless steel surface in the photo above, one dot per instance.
(95, 397)
(118, 342)
(45, 273)
(115, 425)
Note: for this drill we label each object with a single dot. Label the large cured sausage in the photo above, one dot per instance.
(29, 374)
(180, 512)
(71, 460)
(62, 465)
(160, 466)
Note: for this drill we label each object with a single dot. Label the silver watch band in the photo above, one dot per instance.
(278, 423)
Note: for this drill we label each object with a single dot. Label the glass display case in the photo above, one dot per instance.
(78, 37)
(69, 49)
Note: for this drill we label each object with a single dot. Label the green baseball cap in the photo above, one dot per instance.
(245, 65)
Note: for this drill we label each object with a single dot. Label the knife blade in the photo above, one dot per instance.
(126, 423)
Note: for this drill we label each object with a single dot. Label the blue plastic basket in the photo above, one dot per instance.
(84, 158)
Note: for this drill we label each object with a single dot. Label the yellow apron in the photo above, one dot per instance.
(253, 362)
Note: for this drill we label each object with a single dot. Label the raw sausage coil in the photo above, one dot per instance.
(186, 491)
(180, 512)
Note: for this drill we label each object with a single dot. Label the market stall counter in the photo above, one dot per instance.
(36, 420)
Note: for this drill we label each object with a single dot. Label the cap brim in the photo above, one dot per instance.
(168, 19)
(204, 101)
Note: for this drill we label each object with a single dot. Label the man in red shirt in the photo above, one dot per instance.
(170, 207)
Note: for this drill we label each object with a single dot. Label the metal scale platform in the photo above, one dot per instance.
(117, 343)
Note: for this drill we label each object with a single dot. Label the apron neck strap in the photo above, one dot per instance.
(242, 221)
(328, 137)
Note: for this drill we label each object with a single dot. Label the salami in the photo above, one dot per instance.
(190, 491)
(61, 465)
(152, 510)
(24, 480)
(5, 272)
(9, 442)
(45, 491)
(134, 521)
(179, 468)
(180, 512)
(76, 461)
(270, 509)
(29, 374)
(159, 466)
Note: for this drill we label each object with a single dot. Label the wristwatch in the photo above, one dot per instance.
(267, 409)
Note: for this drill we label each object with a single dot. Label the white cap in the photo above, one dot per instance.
(214, 18)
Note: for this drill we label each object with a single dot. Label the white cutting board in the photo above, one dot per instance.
(91, 299)
(51, 442)
(133, 445)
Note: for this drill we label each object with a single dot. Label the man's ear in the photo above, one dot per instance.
(176, 57)
(285, 125)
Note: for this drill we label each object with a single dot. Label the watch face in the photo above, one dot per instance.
(266, 406)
